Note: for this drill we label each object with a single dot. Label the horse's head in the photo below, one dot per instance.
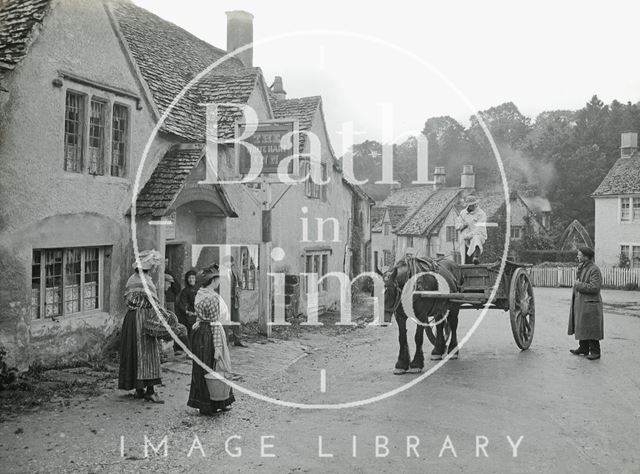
(396, 278)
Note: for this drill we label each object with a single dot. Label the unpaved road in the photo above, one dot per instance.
(573, 415)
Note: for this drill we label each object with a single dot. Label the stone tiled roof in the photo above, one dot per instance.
(169, 57)
(622, 178)
(410, 197)
(491, 203)
(427, 216)
(377, 215)
(303, 109)
(397, 214)
(19, 20)
(168, 179)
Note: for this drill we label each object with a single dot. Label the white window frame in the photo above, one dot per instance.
(632, 207)
(620, 200)
(631, 245)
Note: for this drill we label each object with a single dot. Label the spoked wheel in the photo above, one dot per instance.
(522, 308)
(431, 331)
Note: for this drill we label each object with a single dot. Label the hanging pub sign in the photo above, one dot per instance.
(267, 138)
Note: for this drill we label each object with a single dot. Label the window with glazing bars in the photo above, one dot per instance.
(97, 125)
(625, 209)
(120, 124)
(65, 281)
(318, 263)
(636, 209)
(311, 188)
(73, 132)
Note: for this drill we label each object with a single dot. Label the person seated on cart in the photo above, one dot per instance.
(473, 230)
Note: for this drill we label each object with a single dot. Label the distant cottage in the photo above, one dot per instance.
(617, 208)
(423, 218)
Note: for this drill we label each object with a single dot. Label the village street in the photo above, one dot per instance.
(573, 414)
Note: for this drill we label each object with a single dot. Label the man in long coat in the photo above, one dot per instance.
(585, 318)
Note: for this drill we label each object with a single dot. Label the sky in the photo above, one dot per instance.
(420, 59)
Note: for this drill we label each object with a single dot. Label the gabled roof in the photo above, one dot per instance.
(491, 203)
(537, 203)
(427, 217)
(622, 178)
(303, 109)
(410, 197)
(168, 179)
(396, 214)
(402, 202)
(19, 20)
(169, 57)
(377, 215)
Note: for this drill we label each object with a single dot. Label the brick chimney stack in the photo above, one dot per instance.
(439, 177)
(277, 89)
(468, 177)
(239, 34)
(628, 144)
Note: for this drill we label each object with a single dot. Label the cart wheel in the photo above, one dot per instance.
(522, 308)
(431, 332)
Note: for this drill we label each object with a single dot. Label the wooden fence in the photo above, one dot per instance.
(612, 277)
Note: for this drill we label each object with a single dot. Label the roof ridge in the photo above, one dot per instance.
(216, 48)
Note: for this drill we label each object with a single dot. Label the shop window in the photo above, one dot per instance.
(248, 264)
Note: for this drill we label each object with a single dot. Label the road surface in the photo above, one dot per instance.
(564, 413)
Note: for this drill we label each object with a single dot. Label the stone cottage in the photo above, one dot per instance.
(84, 85)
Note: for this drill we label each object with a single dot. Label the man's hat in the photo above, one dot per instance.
(470, 200)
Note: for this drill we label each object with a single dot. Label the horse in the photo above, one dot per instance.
(444, 276)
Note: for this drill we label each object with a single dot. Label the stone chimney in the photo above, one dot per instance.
(468, 177)
(277, 89)
(628, 144)
(439, 178)
(239, 34)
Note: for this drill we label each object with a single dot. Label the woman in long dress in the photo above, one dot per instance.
(142, 329)
(209, 344)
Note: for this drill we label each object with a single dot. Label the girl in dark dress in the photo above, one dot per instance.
(142, 331)
(209, 344)
(185, 306)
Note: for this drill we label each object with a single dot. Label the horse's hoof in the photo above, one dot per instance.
(399, 371)
(436, 356)
(415, 370)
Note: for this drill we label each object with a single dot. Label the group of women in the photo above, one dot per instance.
(199, 323)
